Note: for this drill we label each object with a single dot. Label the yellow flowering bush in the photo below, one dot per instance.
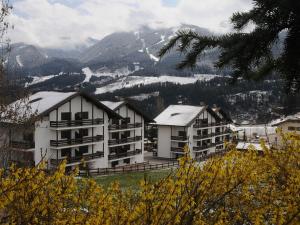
(237, 188)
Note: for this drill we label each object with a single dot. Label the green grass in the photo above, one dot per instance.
(132, 180)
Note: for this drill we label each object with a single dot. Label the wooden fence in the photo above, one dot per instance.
(142, 166)
(127, 169)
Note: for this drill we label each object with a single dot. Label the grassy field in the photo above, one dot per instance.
(132, 180)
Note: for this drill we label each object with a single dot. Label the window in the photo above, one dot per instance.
(205, 132)
(291, 128)
(115, 135)
(114, 164)
(81, 115)
(115, 121)
(126, 134)
(126, 161)
(84, 132)
(298, 128)
(126, 120)
(181, 144)
(66, 152)
(82, 150)
(66, 134)
(181, 133)
(28, 137)
(65, 116)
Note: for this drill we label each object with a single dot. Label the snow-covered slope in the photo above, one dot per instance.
(131, 81)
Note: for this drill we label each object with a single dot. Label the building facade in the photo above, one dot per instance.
(70, 126)
(126, 136)
(286, 124)
(200, 128)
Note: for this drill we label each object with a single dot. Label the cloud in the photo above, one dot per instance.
(44, 23)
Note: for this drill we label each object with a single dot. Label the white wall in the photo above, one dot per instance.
(164, 142)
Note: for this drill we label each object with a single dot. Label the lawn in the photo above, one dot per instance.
(132, 180)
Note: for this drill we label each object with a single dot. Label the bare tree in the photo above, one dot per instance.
(13, 116)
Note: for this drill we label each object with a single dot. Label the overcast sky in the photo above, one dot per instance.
(67, 23)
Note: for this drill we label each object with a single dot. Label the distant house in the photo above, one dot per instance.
(201, 128)
(126, 136)
(71, 126)
(244, 146)
(288, 124)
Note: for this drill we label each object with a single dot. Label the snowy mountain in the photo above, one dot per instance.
(134, 50)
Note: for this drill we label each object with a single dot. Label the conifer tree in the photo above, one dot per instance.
(250, 54)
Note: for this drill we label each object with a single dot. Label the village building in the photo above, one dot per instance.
(70, 126)
(127, 135)
(286, 124)
(201, 128)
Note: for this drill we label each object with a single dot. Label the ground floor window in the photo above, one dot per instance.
(126, 161)
(114, 164)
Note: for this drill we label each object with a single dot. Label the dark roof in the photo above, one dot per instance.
(134, 108)
(111, 113)
(224, 114)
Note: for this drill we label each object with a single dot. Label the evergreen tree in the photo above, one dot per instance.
(250, 54)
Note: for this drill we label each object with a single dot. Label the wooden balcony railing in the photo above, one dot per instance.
(22, 144)
(124, 126)
(124, 140)
(202, 136)
(177, 149)
(204, 125)
(78, 158)
(226, 131)
(203, 147)
(76, 123)
(124, 154)
(179, 138)
(76, 141)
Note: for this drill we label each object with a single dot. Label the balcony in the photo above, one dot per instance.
(77, 159)
(124, 140)
(76, 123)
(22, 145)
(124, 154)
(203, 136)
(177, 149)
(76, 141)
(115, 127)
(219, 143)
(204, 147)
(179, 138)
(226, 131)
(205, 125)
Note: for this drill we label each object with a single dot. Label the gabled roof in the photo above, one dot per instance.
(42, 103)
(116, 105)
(291, 118)
(179, 115)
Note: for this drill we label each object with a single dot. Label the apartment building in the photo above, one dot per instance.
(71, 126)
(201, 128)
(126, 136)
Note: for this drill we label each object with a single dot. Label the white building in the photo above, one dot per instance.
(126, 137)
(289, 123)
(71, 126)
(201, 128)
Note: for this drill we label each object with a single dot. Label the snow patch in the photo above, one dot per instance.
(37, 80)
(88, 74)
(144, 96)
(18, 58)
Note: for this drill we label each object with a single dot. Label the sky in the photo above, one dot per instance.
(69, 23)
